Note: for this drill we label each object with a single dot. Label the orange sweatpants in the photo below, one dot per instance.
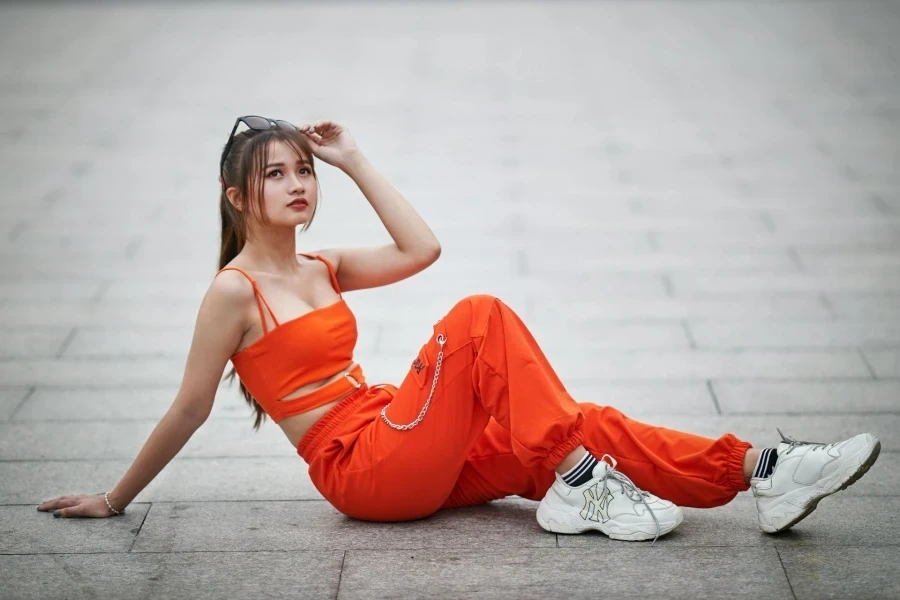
(498, 423)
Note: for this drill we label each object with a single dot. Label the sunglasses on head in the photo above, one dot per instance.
(255, 123)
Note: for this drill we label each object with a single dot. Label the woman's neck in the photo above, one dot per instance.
(275, 252)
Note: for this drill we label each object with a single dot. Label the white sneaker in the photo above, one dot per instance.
(806, 472)
(609, 503)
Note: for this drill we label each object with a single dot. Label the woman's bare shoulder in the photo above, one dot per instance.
(230, 287)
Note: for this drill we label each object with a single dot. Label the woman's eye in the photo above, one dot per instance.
(304, 171)
(273, 172)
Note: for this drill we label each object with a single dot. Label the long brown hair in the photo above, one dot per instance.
(243, 169)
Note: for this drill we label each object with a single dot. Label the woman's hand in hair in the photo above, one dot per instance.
(90, 506)
(330, 143)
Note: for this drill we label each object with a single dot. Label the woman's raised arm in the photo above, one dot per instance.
(221, 322)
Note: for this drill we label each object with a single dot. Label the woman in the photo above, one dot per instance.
(480, 415)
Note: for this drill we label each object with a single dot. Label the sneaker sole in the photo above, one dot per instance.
(553, 525)
(841, 484)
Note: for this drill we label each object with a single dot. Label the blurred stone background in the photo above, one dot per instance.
(694, 205)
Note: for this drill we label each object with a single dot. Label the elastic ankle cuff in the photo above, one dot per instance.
(734, 464)
(556, 456)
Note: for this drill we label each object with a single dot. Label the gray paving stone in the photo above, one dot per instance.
(27, 531)
(760, 429)
(398, 338)
(799, 397)
(645, 398)
(112, 267)
(235, 479)
(806, 334)
(886, 363)
(542, 573)
(120, 403)
(10, 399)
(735, 525)
(183, 480)
(683, 365)
(35, 482)
(817, 262)
(541, 262)
(123, 439)
(315, 525)
(443, 292)
(548, 310)
(88, 371)
(33, 290)
(883, 479)
(842, 572)
(678, 202)
(28, 343)
(687, 191)
(865, 306)
(71, 313)
(669, 241)
(690, 285)
(191, 576)
(130, 342)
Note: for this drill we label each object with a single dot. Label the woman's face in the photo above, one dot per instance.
(290, 190)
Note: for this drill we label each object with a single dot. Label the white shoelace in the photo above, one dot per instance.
(631, 491)
(795, 443)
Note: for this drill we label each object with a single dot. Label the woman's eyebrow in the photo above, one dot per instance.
(281, 164)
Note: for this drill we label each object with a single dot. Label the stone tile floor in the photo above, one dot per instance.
(694, 205)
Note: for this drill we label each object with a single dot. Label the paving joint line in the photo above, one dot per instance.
(826, 304)
(102, 288)
(133, 246)
(423, 548)
(880, 205)
(768, 222)
(786, 576)
(337, 591)
(667, 284)
(22, 402)
(692, 343)
(16, 230)
(66, 342)
(795, 257)
(715, 399)
(140, 527)
(862, 356)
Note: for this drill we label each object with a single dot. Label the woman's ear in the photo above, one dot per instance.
(234, 197)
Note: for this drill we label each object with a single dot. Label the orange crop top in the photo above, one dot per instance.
(314, 346)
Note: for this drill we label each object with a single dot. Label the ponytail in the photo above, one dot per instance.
(234, 235)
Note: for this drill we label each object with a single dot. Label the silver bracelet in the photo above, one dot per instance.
(106, 497)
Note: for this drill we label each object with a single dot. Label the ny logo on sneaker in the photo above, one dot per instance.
(596, 508)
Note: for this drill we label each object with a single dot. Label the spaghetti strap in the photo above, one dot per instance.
(331, 271)
(259, 298)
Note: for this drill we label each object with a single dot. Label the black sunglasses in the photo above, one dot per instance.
(255, 123)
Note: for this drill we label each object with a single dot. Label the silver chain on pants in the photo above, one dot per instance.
(437, 371)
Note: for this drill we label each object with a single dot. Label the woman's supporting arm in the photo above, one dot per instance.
(221, 323)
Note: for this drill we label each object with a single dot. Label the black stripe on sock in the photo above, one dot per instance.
(760, 462)
(582, 472)
(766, 463)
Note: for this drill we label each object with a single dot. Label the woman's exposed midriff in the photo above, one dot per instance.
(296, 426)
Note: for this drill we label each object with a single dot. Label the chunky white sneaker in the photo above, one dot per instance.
(609, 503)
(806, 472)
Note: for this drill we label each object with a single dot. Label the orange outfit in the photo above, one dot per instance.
(498, 421)
(312, 347)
